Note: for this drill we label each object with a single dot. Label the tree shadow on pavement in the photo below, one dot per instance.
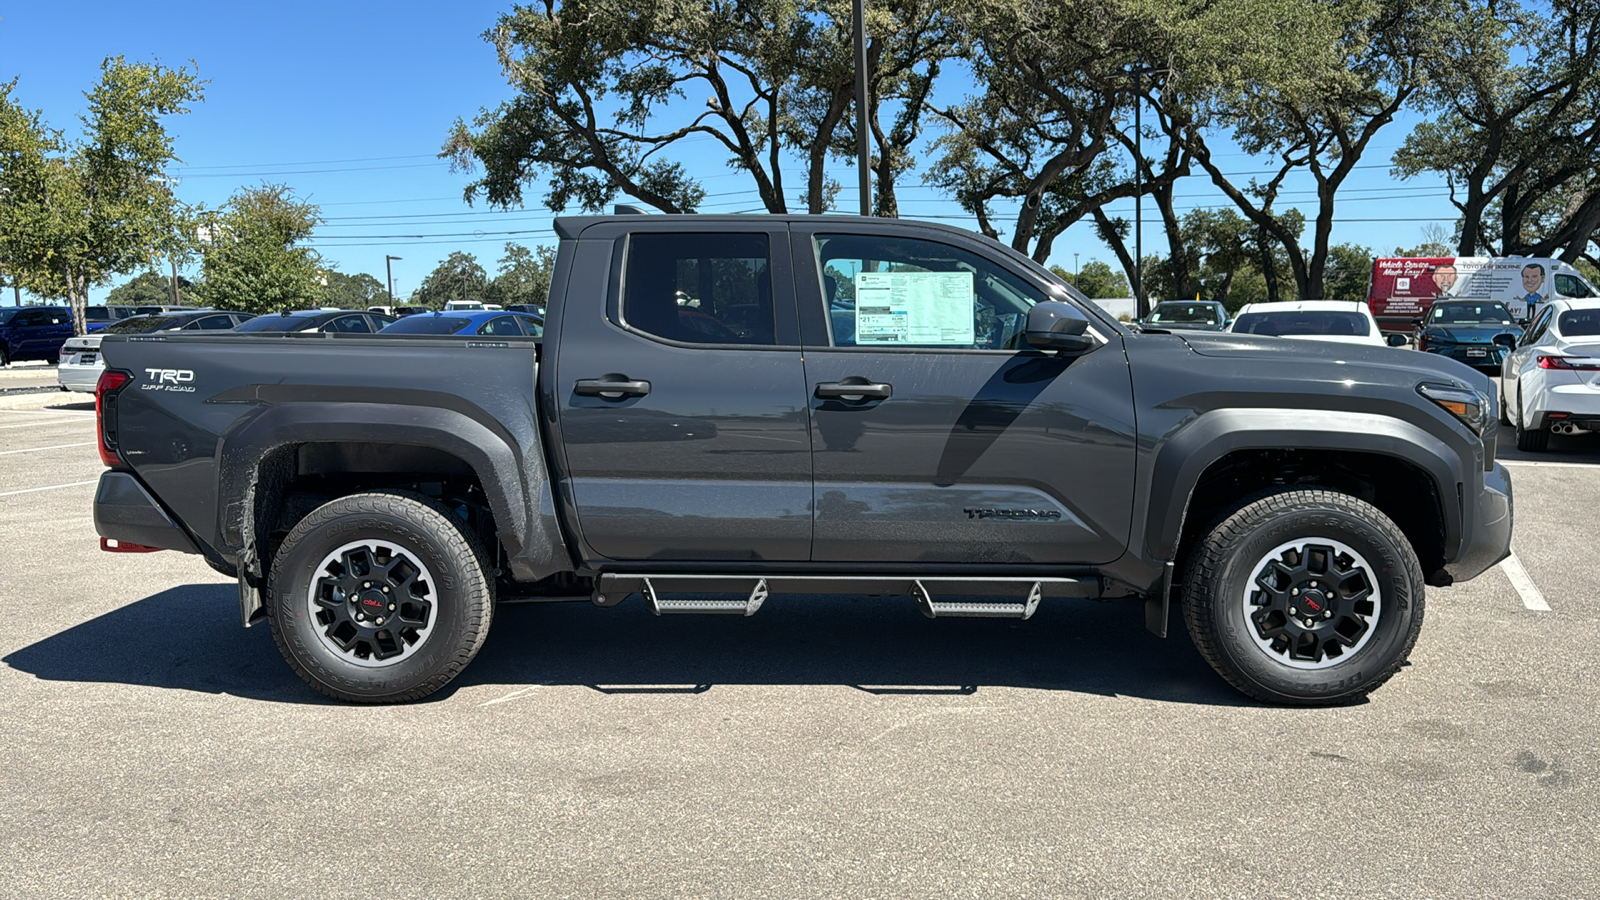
(187, 638)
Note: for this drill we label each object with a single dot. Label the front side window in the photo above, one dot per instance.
(1573, 286)
(699, 288)
(882, 291)
(1540, 325)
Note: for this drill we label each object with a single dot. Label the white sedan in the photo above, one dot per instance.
(1341, 321)
(80, 362)
(1551, 380)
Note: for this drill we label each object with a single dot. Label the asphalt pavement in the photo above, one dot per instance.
(826, 747)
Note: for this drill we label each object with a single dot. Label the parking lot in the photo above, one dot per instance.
(830, 746)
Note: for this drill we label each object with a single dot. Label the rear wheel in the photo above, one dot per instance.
(1505, 416)
(379, 597)
(1529, 440)
(5, 358)
(1304, 597)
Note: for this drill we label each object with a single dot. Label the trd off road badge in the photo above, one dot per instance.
(180, 380)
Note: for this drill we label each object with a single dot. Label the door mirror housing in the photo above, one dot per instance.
(1053, 325)
(1506, 340)
(1397, 340)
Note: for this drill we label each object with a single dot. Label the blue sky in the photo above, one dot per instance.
(348, 103)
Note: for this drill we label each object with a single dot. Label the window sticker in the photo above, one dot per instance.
(914, 308)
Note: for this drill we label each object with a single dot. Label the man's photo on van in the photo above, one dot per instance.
(1444, 279)
(1532, 285)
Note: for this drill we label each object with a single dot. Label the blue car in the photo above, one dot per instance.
(1477, 332)
(491, 322)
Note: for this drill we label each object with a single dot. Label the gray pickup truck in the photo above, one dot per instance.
(724, 408)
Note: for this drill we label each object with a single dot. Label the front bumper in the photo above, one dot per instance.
(125, 512)
(1486, 535)
(1480, 356)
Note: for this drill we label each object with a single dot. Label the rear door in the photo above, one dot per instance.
(682, 429)
(937, 435)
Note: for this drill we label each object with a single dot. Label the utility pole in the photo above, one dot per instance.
(388, 272)
(1075, 270)
(864, 163)
(177, 296)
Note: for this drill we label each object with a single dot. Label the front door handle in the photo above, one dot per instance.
(611, 387)
(854, 388)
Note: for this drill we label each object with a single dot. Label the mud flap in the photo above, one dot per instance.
(1156, 606)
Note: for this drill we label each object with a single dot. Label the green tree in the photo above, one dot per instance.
(1516, 129)
(1096, 280)
(458, 277)
(524, 276)
(76, 213)
(357, 291)
(148, 289)
(601, 84)
(1349, 272)
(254, 261)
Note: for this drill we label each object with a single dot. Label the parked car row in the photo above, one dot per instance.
(81, 365)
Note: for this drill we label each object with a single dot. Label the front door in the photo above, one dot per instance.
(937, 436)
(682, 395)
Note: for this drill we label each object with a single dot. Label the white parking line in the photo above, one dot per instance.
(53, 447)
(1531, 596)
(1552, 465)
(48, 487)
(45, 423)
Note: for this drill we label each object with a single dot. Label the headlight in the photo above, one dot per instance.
(1466, 404)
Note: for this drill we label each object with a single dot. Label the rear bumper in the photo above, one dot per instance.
(125, 512)
(75, 377)
(1486, 535)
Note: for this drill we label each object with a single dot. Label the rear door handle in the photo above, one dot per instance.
(611, 387)
(854, 388)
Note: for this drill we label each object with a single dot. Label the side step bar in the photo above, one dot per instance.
(612, 589)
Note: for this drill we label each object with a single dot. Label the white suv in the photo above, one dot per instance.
(1342, 321)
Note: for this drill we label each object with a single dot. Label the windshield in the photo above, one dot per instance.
(270, 322)
(142, 325)
(1186, 313)
(427, 325)
(1320, 323)
(1469, 314)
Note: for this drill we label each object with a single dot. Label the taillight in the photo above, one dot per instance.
(105, 413)
(1561, 362)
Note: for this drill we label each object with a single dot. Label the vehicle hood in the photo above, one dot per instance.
(1468, 334)
(1277, 350)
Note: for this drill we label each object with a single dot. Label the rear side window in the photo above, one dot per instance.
(699, 288)
(349, 325)
(210, 323)
(1580, 323)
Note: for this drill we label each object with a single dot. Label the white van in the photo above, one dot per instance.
(1403, 289)
(463, 305)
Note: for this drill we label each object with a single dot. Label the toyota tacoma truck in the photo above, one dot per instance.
(726, 408)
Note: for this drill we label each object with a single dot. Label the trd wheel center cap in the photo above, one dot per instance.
(371, 604)
(1315, 605)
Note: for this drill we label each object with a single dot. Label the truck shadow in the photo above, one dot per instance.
(185, 639)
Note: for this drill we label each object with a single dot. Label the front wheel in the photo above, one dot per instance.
(380, 597)
(1304, 597)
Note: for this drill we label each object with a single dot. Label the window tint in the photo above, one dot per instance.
(1469, 314)
(430, 323)
(210, 323)
(699, 288)
(897, 292)
(349, 325)
(504, 326)
(531, 326)
(1572, 286)
(1580, 323)
(1186, 313)
(1294, 324)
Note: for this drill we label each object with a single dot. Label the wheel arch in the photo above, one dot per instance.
(1230, 455)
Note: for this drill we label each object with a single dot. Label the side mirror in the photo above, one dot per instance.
(1053, 325)
(1416, 321)
(1397, 340)
(1506, 340)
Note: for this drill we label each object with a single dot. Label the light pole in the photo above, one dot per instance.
(864, 161)
(388, 272)
(1141, 305)
(1075, 270)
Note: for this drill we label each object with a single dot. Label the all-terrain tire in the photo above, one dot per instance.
(1283, 552)
(376, 559)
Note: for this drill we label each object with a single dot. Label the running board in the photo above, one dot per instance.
(611, 589)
